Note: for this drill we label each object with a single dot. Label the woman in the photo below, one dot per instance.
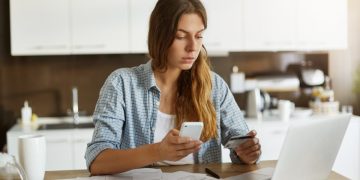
(140, 109)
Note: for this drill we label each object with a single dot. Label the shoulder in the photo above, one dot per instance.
(127, 75)
(218, 82)
(220, 90)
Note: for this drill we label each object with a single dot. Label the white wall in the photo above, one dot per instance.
(343, 63)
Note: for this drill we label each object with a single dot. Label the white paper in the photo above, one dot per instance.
(136, 174)
(183, 175)
(149, 174)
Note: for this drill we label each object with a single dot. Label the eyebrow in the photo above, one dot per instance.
(182, 30)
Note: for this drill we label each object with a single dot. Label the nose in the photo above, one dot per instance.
(191, 45)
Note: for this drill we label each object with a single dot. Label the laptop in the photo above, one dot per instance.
(309, 150)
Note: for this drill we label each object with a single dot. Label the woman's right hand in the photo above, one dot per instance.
(174, 147)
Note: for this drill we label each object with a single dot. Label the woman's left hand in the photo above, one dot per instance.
(249, 151)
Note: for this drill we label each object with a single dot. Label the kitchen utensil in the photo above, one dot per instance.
(312, 77)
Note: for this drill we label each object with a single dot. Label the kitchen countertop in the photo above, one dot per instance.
(33, 127)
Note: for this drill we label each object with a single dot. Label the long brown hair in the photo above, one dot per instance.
(193, 100)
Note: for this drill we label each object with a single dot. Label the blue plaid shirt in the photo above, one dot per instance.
(126, 112)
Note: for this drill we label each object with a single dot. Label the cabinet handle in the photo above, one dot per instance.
(53, 47)
(57, 141)
(90, 46)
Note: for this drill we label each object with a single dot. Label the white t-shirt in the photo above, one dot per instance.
(164, 124)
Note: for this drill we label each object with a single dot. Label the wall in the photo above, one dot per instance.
(343, 64)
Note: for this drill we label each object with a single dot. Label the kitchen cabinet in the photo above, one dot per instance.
(58, 150)
(80, 140)
(283, 25)
(221, 35)
(269, 25)
(271, 135)
(99, 26)
(321, 24)
(224, 29)
(40, 27)
(140, 12)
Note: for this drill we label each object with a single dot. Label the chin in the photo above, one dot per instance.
(186, 67)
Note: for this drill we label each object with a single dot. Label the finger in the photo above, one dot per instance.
(252, 133)
(248, 150)
(174, 132)
(174, 138)
(250, 158)
(254, 155)
(183, 153)
(181, 140)
(252, 149)
(189, 145)
(248, 143)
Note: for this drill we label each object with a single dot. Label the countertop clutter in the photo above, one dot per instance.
(323, 99)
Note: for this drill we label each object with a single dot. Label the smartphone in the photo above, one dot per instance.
(235, 141)
(191, 129)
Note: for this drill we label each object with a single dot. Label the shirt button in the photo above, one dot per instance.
(153, 128)
(157, 103)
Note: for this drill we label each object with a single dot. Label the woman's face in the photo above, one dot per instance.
(187, 43)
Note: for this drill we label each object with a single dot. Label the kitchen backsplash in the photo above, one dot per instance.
(46, 81)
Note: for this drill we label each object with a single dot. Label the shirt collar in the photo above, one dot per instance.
(149, 78)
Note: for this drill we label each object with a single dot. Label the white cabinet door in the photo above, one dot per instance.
(322, 24)
(80, 140)
(269, 25)
(99, 26)
(271, 136)
(59, 155)
(39, 27)
(140, 12)
(271, 139)
(224, 29)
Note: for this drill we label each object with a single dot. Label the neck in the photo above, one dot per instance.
(168, 78)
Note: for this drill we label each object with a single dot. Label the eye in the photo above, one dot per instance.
(180, 37)
(199, 36)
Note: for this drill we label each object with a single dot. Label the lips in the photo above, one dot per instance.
(188, 60)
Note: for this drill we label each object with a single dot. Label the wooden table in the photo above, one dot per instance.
(224, 170)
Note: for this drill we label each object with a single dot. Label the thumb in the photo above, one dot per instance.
(174, 132)
(252, 133)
